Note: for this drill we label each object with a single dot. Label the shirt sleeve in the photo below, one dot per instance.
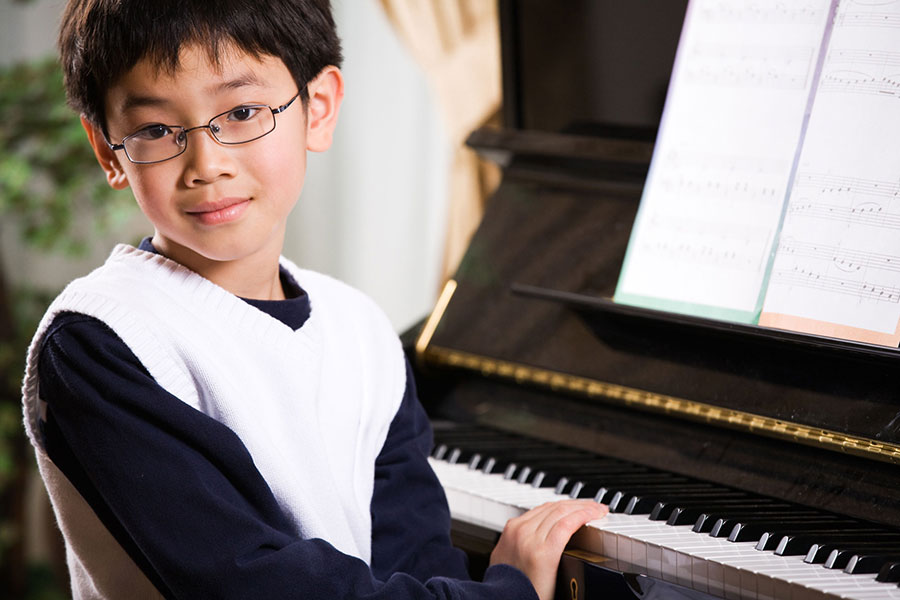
(410, 517)
(179, 491)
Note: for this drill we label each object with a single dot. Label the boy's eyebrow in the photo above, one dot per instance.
(243, 80)
(133, 101)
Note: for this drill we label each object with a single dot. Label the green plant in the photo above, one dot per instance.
(54, 199)
(49, 181)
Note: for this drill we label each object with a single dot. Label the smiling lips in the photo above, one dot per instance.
(222, 211)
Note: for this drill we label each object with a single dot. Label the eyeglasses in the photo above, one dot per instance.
(240, 125)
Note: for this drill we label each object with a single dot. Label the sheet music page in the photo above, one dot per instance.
(713, 201)
(837, 265)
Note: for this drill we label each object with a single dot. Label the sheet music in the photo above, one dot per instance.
(713, 200)
(837, 266)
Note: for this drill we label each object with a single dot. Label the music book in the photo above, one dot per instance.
(772, 195)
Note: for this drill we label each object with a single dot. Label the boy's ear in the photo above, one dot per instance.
(115, 175)
(326, 91)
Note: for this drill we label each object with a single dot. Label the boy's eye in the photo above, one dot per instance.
(244, 113)
(153, 132)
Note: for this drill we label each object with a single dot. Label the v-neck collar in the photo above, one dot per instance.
(293, 311)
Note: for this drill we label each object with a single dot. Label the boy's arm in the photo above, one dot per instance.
(180, 493)
(411, 520)
(410, 517)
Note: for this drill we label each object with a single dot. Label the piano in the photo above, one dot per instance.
(738, 462)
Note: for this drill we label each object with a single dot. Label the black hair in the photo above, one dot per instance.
(101, 40)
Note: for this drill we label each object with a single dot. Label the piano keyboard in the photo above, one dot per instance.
(716, 540)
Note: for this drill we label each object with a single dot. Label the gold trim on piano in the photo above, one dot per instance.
(640, 399)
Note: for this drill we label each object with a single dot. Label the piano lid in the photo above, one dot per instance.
(561, 222)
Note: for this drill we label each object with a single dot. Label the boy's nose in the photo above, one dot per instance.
(206, 159)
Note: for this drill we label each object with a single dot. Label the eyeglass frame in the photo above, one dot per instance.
(187, 130)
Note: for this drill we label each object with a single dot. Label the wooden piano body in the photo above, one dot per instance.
(523, 341)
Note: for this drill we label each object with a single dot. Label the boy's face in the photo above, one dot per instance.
(217, 202)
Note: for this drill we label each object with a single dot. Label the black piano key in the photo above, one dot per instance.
(501, 462)
(889, 572)
(550, 476)
(803, 543)
(473, 442)
(839, 558)
(457, 455)
(749, 529)
(612, 491)
(752, 531)
(644, 504)
(686, 513)
(534, 458)
(486, 445)
(771, 540)
(477, 438)
(475, 455)
(868, 563)
(622, 496)
(603, 487)
(720, 522)
(819, 552)
(524, 471)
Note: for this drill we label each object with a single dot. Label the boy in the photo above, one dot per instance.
(210, 420)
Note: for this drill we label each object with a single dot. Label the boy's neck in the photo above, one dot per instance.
(256, 276)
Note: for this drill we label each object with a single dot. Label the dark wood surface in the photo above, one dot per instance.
(560, 233)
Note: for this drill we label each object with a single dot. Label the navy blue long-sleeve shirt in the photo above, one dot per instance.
(179, 490)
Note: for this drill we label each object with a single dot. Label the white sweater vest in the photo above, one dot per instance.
(312, 406)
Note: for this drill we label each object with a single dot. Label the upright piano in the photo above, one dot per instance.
(738, 461)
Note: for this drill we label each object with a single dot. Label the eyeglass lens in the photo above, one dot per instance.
(162, 142)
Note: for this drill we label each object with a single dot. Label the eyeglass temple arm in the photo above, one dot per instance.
(284, 107)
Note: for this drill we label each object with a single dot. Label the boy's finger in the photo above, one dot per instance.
(572, 513)
(562, 530)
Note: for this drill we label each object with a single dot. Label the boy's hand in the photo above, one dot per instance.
(534, 542)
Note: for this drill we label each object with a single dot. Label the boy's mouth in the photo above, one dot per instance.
(220, 211)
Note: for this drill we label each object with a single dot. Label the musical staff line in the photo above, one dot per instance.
(865, 57)
(872, 215)
(829, 184)
(844, 259)
(702, 255)
(860, 82)
(860, 289)
(720, 188)
(769, 12)
(758, 66)
(868, 20)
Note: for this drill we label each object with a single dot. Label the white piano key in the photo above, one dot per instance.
(675, 554)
